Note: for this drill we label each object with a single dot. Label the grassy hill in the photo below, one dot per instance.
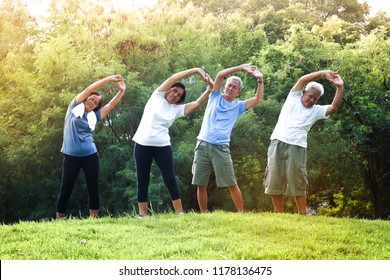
(214, 236)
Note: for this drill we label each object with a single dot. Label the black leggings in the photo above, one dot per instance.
(70, 170)
(163, 157)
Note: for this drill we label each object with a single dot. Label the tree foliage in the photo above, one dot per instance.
(45, 62)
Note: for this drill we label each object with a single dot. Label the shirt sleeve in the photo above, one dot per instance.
(97, 113)
(323, 110)
(295, 93)
(242, 107)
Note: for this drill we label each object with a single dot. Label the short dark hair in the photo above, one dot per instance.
(99, 106)
(183, 96)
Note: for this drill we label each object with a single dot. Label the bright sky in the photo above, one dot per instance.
(39, 7)
(377, 5)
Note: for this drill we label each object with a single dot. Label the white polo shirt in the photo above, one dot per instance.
(295, 120)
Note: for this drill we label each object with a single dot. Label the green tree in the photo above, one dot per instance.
(381, 19)
(365, 65)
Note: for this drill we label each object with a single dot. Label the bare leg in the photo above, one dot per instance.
(277, 201)
(201, 194)
(143, 208)
(60, 215)
(178, 206)
(236, 195)
(94, 213)
(301, 204)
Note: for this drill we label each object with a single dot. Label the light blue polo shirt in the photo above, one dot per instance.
(219, 119)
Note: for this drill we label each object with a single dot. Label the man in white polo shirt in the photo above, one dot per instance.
(286, 169)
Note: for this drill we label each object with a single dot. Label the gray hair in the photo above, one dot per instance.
(237, 79)
(315, 85)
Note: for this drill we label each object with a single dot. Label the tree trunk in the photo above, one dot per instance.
(375, 180)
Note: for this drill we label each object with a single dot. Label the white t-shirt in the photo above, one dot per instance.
(295, 120)
(158, 116)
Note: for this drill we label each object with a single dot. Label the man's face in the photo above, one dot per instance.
(232, 89)
(310, 97)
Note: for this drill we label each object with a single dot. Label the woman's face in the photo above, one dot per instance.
(92, 102)
(174, 94)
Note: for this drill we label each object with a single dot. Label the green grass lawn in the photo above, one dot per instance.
(214, 236)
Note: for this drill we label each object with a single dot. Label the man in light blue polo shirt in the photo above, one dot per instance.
(212, 149)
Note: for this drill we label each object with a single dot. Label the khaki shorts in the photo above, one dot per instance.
(286, 170)
(217, 157)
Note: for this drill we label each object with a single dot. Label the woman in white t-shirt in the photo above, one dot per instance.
(152, 139)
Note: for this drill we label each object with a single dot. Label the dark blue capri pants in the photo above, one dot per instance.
(70, 170)
(163, 157)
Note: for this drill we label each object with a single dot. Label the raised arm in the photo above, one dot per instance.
(336, 80)
(95, 86)
(301, 83)
(251, 102)
(110, 105)
(332, 77)
(192, 106)
(228, 71)
(165, 86)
